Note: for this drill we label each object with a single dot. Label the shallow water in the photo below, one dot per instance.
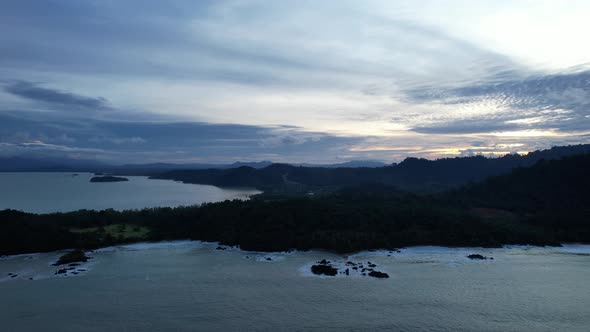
(187, 286)
(62, 192)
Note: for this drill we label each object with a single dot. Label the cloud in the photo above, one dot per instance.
(53, 97)
(466, 127)
(556, 101)
(117, 140)
(42, 149)
(126, 141)
(289, 81)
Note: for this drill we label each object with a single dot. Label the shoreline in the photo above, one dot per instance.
(403, 250)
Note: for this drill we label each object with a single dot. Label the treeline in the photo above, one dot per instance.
(553, 194)
(342, 222)
(415, 175)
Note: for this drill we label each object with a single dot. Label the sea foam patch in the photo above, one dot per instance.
(426, 255)
(152, 245)
(577, 249)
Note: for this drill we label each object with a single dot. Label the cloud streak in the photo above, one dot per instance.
(36, 93)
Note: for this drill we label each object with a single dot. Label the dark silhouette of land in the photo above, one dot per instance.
(415, 175)
(545, 204)
(108, 178)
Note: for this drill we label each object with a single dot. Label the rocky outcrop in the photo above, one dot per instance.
(75, 256)
(108, 178)
(478, 256)
(378, 274)
(321, 269)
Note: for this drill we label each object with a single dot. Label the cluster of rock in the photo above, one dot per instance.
(71, 257)
(324, 267)
(479, 257)
(73, 260)
(69, 270)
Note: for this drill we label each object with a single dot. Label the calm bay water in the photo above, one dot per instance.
(60, 192)
(190, 286)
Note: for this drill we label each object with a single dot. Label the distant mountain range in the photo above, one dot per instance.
(27, 164)
(413, 174)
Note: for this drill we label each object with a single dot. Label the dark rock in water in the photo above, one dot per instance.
(349, 263)
(75, 174)
(364, 274)
(72, 257)
(388, 255)
(220, 248)
(30, 278)
(476, 256)
(108, 178)
(491, 257)
(324, 269)
(377, 274)
(268, 259)
(82, 270)
(61, 271)
(372, 265)
(74, 272)
(355, 268)
(14, 276)
(324, 262)
(347, 272)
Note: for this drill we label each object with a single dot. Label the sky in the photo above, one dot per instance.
(141, 81)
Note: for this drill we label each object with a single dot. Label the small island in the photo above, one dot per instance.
(108, 178)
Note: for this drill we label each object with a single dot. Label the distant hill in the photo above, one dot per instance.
(548, 185)
(552, 195)
(412, 174)
(348, 164)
